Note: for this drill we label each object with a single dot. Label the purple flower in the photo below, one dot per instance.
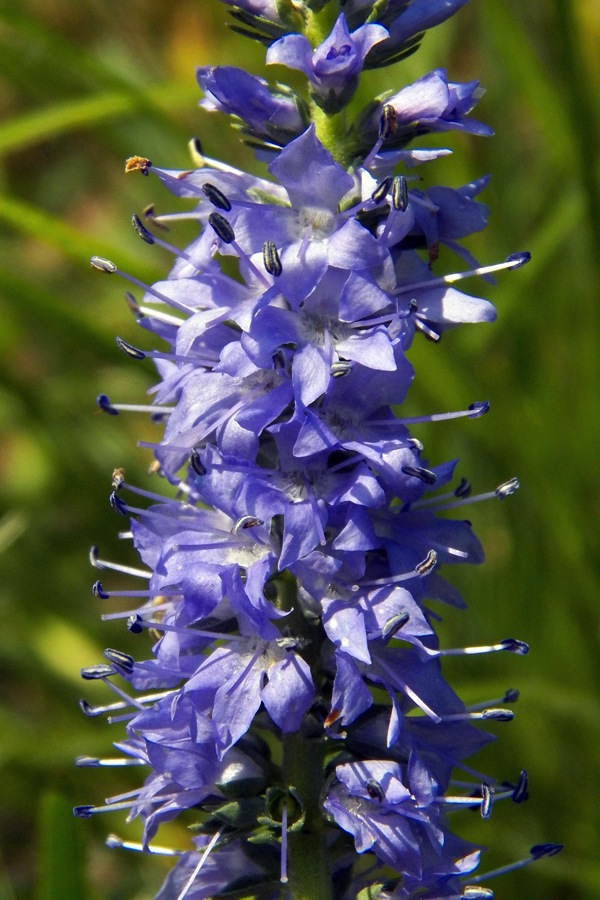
(271, 116)
(333, 68)
(291, 565)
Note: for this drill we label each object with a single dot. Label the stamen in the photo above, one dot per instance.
(521, 793)
(536, 852)
(203, 859)
(196, 463)
(141, 229)
(138, 624)
(473, 412)
(421, 569)
(382, 190)
(93, 673)
(422, 474)
(340, 369)
(510, 644)
(245, 522)
(400, 193)
(428, 564)
(514, 261)
(216, 197)
(393, 625)
(149, 214)
(114, 408)
(129, 350)
(429, 333)
(109, 268)
(120, 660)
(115, 842)
(387, 128)
(508, 488)
(104, 564)
(223, 229)
(464, 489)
(154, 608)
(93, 762)
(511, 696)
(271, 259)
(142, 311)
(119, 505)
(93, 711)
(496, 715)
(487, 800)
(501, 492)
(374, 790)
(137, 164)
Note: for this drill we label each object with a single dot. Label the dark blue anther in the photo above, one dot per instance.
(104, 404)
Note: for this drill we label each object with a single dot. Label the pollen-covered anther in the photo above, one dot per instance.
(119, 660)
(196, 463)
(154, 220)
(129, 349)
(388, 123)
(135, 624)
(507, 488)
(382, 190)
(540, 850)
(221, 227)
(478, 409)
(117, 504)
(428, 564)
(487, 800)
(393, 625)
(118, 478)
(514, 646)
(474, 892)
(93, 673)
(340, 369)
(464, 488)
(141, 230)
(105, 405)
(137, 164)
(271, 259)
(195, 151)
(518, 259)
(425, 475)
(374, 790)
(246, 522)
(400, 193)
(216, 196)
(521, 792)
(279, 360)
(100, 264)
(497, 714)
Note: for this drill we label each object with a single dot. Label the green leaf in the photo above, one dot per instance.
(61, 875)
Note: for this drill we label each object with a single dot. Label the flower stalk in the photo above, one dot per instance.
(291, 564)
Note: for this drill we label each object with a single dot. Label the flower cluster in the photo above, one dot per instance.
(295, 699)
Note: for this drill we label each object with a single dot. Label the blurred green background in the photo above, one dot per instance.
(83, 86)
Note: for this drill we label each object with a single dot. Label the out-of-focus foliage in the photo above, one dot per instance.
(84, 85)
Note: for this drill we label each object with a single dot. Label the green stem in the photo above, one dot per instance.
(308, 866)
(330, 129)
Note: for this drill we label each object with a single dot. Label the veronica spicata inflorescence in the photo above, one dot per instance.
(294, 706)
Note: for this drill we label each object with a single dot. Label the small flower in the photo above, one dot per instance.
(333, 68)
